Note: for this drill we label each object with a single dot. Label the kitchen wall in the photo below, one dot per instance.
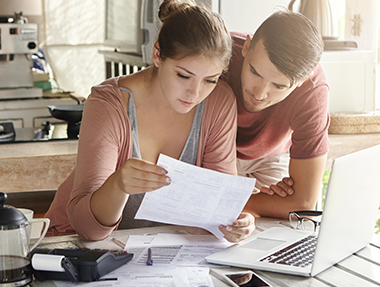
(71, 33)
(74, 32)
(352, 73)
(29, 7)
(247, 15)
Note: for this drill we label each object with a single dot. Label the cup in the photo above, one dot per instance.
(29, 216)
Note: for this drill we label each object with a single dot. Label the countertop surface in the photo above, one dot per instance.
(38, 148)
(36, 166)
(345, 144)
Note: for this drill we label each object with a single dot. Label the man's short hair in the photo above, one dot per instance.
(293, 43)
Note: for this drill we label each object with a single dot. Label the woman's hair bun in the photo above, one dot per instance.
(169, 7)
(189, 29)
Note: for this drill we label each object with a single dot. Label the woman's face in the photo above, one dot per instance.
(186, 82)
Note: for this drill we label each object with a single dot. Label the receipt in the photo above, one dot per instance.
(196, 197)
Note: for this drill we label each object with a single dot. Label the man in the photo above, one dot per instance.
(282, 96)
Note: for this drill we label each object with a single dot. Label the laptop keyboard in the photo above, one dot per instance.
(300, 253)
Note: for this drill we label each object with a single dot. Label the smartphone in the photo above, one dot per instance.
(241, 279)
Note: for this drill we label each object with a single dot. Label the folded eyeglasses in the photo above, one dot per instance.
(304, 220)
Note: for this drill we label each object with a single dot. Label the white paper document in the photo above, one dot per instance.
(173, 276)
(178, 261)
(174, 249)
(196, 197)
(149, 276)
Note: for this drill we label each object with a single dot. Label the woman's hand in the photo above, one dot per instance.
(282, 188)
(140, 176)
(240, 229)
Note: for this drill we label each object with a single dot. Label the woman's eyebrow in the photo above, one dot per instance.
(186, 70)
(191, 73)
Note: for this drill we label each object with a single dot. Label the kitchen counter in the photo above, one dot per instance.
(40, 166)
(341, 145)
(36, 166)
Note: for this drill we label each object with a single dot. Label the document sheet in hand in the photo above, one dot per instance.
(196, 197)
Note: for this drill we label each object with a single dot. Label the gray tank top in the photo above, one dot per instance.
(188, 155)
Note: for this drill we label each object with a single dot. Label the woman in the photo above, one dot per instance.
(176, 107)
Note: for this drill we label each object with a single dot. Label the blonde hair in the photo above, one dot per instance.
(188, 30)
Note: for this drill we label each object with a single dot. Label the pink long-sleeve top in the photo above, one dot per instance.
(105, 144)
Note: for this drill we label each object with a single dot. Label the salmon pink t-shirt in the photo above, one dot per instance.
(299, 123)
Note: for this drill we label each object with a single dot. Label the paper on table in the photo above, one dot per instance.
(174, 249)
(150, 276)
(168, 269)
(196, 197)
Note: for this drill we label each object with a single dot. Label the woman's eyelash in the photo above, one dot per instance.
(186, 77)
(182, 76)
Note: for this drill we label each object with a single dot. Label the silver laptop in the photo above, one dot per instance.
(347, 225)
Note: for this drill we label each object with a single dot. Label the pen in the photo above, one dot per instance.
(149, 261)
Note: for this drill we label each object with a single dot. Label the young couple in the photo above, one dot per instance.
(275, 101)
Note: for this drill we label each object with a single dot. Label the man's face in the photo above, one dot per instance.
(262, 84)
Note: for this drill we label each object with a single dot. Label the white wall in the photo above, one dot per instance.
(71, 33)
(28, 7)
(352, 74)
(74, 33)
(247, 15)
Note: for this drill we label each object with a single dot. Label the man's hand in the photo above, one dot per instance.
(282, 188)
(306, 175)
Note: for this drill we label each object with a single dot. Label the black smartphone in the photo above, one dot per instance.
(242, 279)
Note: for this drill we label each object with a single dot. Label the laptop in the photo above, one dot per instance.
(347, 225)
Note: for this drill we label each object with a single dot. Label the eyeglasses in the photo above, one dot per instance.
(303, 220)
